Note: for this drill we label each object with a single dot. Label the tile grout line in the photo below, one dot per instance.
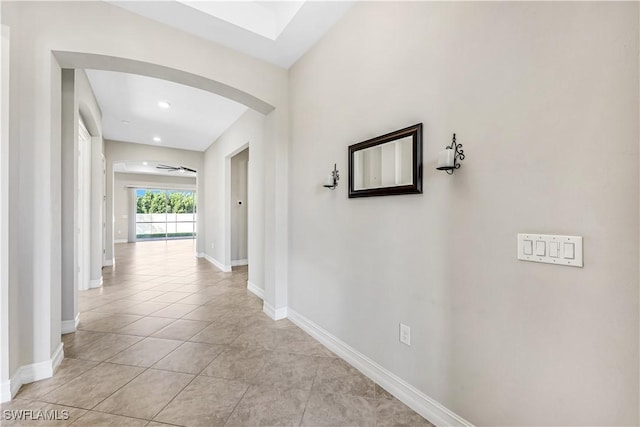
(119, 388)
(92, 408)
(172, 399)
(237, 403)
(214, 283)
(65, 383)
(108, 413)
(310, 392)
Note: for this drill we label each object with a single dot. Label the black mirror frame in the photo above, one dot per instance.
(415, 187)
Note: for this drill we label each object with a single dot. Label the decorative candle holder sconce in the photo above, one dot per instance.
(448, 158)
(332, 178)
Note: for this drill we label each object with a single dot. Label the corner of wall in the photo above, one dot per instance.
(33, 372)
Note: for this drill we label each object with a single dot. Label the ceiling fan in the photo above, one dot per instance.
(175, 168)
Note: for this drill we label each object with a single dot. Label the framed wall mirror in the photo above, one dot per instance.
(387, 165)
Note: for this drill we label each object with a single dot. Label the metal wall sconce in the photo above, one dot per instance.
(448, 158)
(332, 179)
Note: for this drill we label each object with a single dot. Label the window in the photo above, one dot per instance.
(165, 214)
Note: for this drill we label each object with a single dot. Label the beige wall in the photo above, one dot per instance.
(544, 98)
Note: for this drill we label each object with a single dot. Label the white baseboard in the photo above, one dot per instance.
(70, 326)
(274, 313)
(15, 383)
(259, 292)
(121, 241)
(403, 391)
(95, 283)
(58, 356)
(5, 391)
(34, 372)
(108, 262)
(239, 262)
(218, 264)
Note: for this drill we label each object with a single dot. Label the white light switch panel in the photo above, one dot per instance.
(551, 249)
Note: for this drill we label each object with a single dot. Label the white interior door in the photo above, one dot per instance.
(83, 222)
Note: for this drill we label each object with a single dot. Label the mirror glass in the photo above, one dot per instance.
(385, 165)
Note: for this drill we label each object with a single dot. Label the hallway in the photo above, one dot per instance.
(171, 339)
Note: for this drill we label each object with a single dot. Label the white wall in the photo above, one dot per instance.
(542, 96)
(248, 129)
(123, 183)
(238, 207)
(34, 197)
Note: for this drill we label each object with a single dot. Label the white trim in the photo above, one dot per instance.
(218, 264)
(58, 356)
(257, 291)
(109, 262)
(274, 313)
(5, 391)
(70, 326)
(429, 408)
(34, 372)
(15, 383)
(121, 241)
(5, 381)
(96, 283)
(239, 262)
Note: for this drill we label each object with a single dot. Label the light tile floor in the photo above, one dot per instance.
(171, 340)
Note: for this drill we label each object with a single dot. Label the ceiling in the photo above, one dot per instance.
(279, 32)
(130, 111)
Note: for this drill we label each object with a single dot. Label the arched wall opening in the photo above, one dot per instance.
(74, 61)
(48, 38)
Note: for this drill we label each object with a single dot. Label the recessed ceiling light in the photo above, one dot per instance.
(157, 139)
(164, 104)
(145, 163)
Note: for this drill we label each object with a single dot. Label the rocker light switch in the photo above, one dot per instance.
(554, 250)
(569, 251)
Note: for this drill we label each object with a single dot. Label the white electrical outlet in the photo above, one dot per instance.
(212, 246)
(405, 334)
